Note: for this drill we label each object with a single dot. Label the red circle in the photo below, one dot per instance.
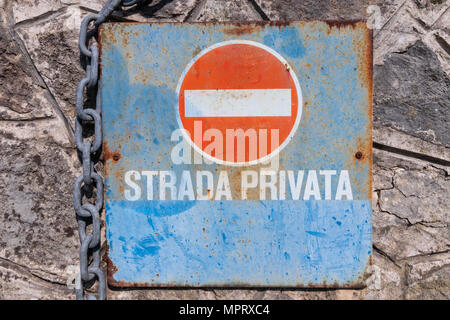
(239, 66)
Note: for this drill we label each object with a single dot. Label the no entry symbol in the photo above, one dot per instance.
(239, 102)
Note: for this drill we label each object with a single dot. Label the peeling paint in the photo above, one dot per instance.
(239, 243)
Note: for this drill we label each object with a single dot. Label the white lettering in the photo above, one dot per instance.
(223, 187)
(209, 184)
(344, 187)
(312, 186)
(186, 189)
(136, 189)
(247, 184)
(327, 174)
(164, 184)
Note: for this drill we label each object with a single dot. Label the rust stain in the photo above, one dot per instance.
(246, 27)
(111, 269)
(240, 29)
(362, 152)
(287, 67)
(343, 23)
(109, 159)
(369, 64)
(234, 285)
(196, 51)
(108, 154)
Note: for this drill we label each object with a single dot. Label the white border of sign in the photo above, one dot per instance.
(297, 120)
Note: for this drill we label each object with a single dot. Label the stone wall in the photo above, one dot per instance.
(39, 71)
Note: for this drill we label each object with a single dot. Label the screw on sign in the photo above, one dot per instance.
(240, 156)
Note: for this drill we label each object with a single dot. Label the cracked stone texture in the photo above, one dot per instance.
(425, 114)
(39, 71)
(410, 217)
(219, 10)
(285, 10)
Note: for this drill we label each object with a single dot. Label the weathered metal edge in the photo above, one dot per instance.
(360, 282)
(242, 27)
(113, 283)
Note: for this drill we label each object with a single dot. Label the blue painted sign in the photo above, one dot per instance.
(237, 155)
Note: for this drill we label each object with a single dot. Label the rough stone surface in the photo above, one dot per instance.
(286, 10)
(39, 71)
(220, 10)
(423, 114)
(407, 221)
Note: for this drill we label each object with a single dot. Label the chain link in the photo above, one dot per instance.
(88, 213)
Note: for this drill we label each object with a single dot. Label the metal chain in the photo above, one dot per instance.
(88, 151)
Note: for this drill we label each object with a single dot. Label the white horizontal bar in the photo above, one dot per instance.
(238, 103)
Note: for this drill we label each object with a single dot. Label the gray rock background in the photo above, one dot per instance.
(39, 71)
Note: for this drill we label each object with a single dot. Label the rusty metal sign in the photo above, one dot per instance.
(237, 155)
